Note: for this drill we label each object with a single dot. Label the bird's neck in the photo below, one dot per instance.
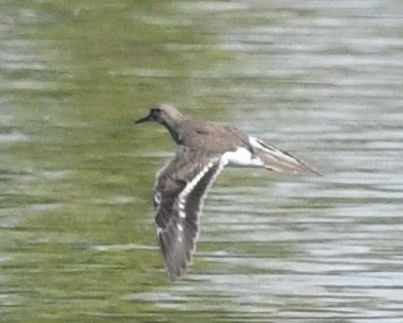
(174, 128)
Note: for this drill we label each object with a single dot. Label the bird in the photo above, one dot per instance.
(204, 148)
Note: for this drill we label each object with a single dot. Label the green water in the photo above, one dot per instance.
(77, 241)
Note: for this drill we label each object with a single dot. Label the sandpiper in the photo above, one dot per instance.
(204, 149)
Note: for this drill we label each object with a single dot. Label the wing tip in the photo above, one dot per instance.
(305, 169)
(177, 272)
(177, 262)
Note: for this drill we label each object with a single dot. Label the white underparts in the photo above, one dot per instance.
(241, 157)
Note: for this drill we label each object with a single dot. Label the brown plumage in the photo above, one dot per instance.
(205, 148)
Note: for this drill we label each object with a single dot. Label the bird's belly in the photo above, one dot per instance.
(240, 157)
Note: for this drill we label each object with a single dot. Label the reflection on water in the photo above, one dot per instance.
(320, 79)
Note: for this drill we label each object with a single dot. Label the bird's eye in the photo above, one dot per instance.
(156, 110)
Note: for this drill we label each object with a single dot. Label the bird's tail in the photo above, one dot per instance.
(277, 160)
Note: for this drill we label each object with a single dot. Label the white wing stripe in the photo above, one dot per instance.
(189, 187)
(275, 153)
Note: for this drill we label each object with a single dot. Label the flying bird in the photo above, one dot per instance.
(204, 149)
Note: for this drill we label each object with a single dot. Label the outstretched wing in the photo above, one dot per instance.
(178, 197)
(272, 157)
(278, 160)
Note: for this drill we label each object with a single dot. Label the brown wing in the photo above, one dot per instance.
(179, 193)
(278, 160)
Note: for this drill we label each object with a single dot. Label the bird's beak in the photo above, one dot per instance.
(145, 119)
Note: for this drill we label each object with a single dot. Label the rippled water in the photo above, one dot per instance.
(320, 79)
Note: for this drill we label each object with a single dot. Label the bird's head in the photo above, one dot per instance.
(163, 114)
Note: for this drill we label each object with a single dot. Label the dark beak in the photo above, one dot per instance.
(145, 119)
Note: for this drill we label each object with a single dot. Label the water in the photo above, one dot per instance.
(322, 80)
